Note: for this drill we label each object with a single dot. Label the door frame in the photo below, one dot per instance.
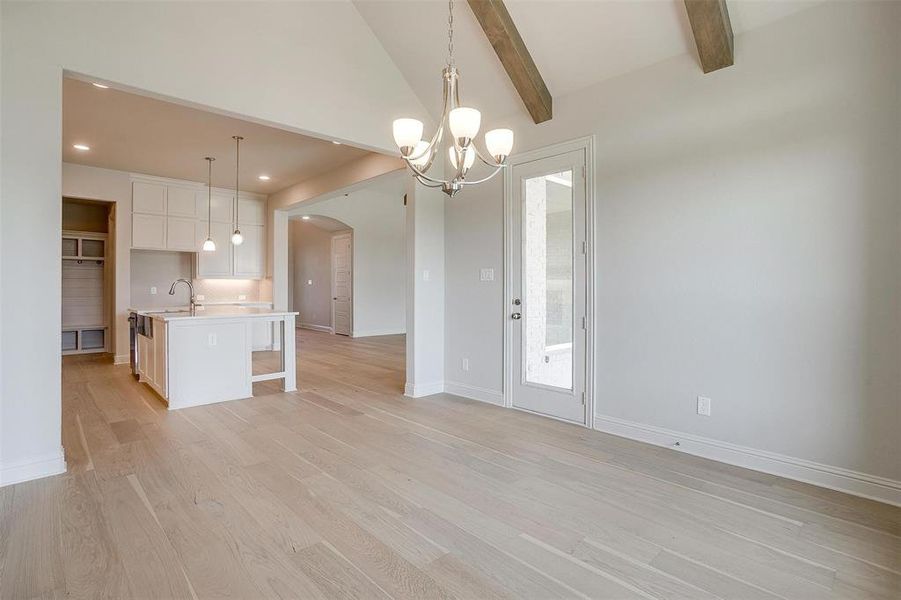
(350, 235)
(585, 144)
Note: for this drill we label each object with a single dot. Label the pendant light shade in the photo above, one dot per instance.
(237, 238)
(209, 245)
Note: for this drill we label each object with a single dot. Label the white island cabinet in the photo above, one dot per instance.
(206, 357)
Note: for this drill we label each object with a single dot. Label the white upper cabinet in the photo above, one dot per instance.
(181, 234)
(250, 257)
(218, 264)
(148, 198)
(172, 215)
(251, 211)
(223, 207)
(181, 202)
(148, 231)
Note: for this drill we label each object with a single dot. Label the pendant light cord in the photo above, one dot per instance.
(450, 33)
(209, 201)
(238, 139)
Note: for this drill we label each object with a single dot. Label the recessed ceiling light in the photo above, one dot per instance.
(306, 217)
(81, 147)
(263, 177)
(337, 143)
(100, 85)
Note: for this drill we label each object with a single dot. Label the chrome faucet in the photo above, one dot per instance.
(190, 285)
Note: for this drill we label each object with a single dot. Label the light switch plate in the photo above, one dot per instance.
(486, 275)
(242, 296)
(201, 297)
(464, 364)
(212, 339)
(426, 275)
(153, 291)
(309, 282)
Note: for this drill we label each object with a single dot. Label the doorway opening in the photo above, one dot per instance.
(88, 276)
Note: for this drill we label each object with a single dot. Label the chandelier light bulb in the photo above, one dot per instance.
(237, 238)
(407, 132)
(209, 245)
(469, 157)
(499, 143)
(464, 122)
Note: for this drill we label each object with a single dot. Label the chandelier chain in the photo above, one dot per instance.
(450, 33)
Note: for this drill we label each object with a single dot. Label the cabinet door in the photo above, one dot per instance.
(181, 202)
(223, 208)
(251, 211)
(250, 257)
(216, 264)
(148, 198)
(181, 234)
(148, 231)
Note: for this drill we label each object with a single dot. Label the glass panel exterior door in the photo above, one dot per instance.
(548, 266)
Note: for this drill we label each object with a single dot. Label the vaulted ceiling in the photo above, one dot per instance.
(574, 43)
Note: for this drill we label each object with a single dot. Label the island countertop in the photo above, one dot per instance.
(213, 312)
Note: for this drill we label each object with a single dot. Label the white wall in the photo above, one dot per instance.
(171, 50)
(379, 259)
(310, 268)
(748, 242)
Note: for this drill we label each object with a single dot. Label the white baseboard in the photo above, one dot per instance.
(418, 390)
(474, 393)
(34, 467)
(121, 359)
(315, 327)
(375, 332)
(836, 478)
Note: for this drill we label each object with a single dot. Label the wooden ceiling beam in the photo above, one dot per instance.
(712, 31)
(501, 32)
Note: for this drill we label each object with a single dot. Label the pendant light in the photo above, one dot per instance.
(237, 238)
(209, 245)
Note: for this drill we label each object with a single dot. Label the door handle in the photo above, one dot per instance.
(516, 316)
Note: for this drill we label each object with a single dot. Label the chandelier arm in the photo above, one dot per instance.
(490, 163)
(497, 169)
(420, 174)
(429, 185)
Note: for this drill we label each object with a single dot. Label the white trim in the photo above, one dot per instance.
(873, 487)
(314, 327)
(375, 332)
(586, 144)
(122, 359)
(418, 390)
(35, 467)
(474, 393)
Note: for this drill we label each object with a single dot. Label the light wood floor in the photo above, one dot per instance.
(346, 489)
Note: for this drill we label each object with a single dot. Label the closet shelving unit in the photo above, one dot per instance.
(84, 315)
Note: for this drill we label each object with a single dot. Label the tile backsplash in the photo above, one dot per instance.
(158, 269)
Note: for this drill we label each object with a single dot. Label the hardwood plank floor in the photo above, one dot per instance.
(347, 489)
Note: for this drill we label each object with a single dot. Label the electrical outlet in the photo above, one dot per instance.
(704, 406)
(464, 364)
(426, 276)
(309, 282)
(486, 275)
(212, 339)
(242, 296)
(201, 297)
(153, 291)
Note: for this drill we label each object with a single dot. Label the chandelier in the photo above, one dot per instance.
(463, 123)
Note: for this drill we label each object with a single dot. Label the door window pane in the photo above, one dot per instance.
(548, 280)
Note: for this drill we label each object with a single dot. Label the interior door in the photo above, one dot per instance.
(547, 306)
(342, 283)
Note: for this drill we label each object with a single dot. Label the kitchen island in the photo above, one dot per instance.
(205, 356)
